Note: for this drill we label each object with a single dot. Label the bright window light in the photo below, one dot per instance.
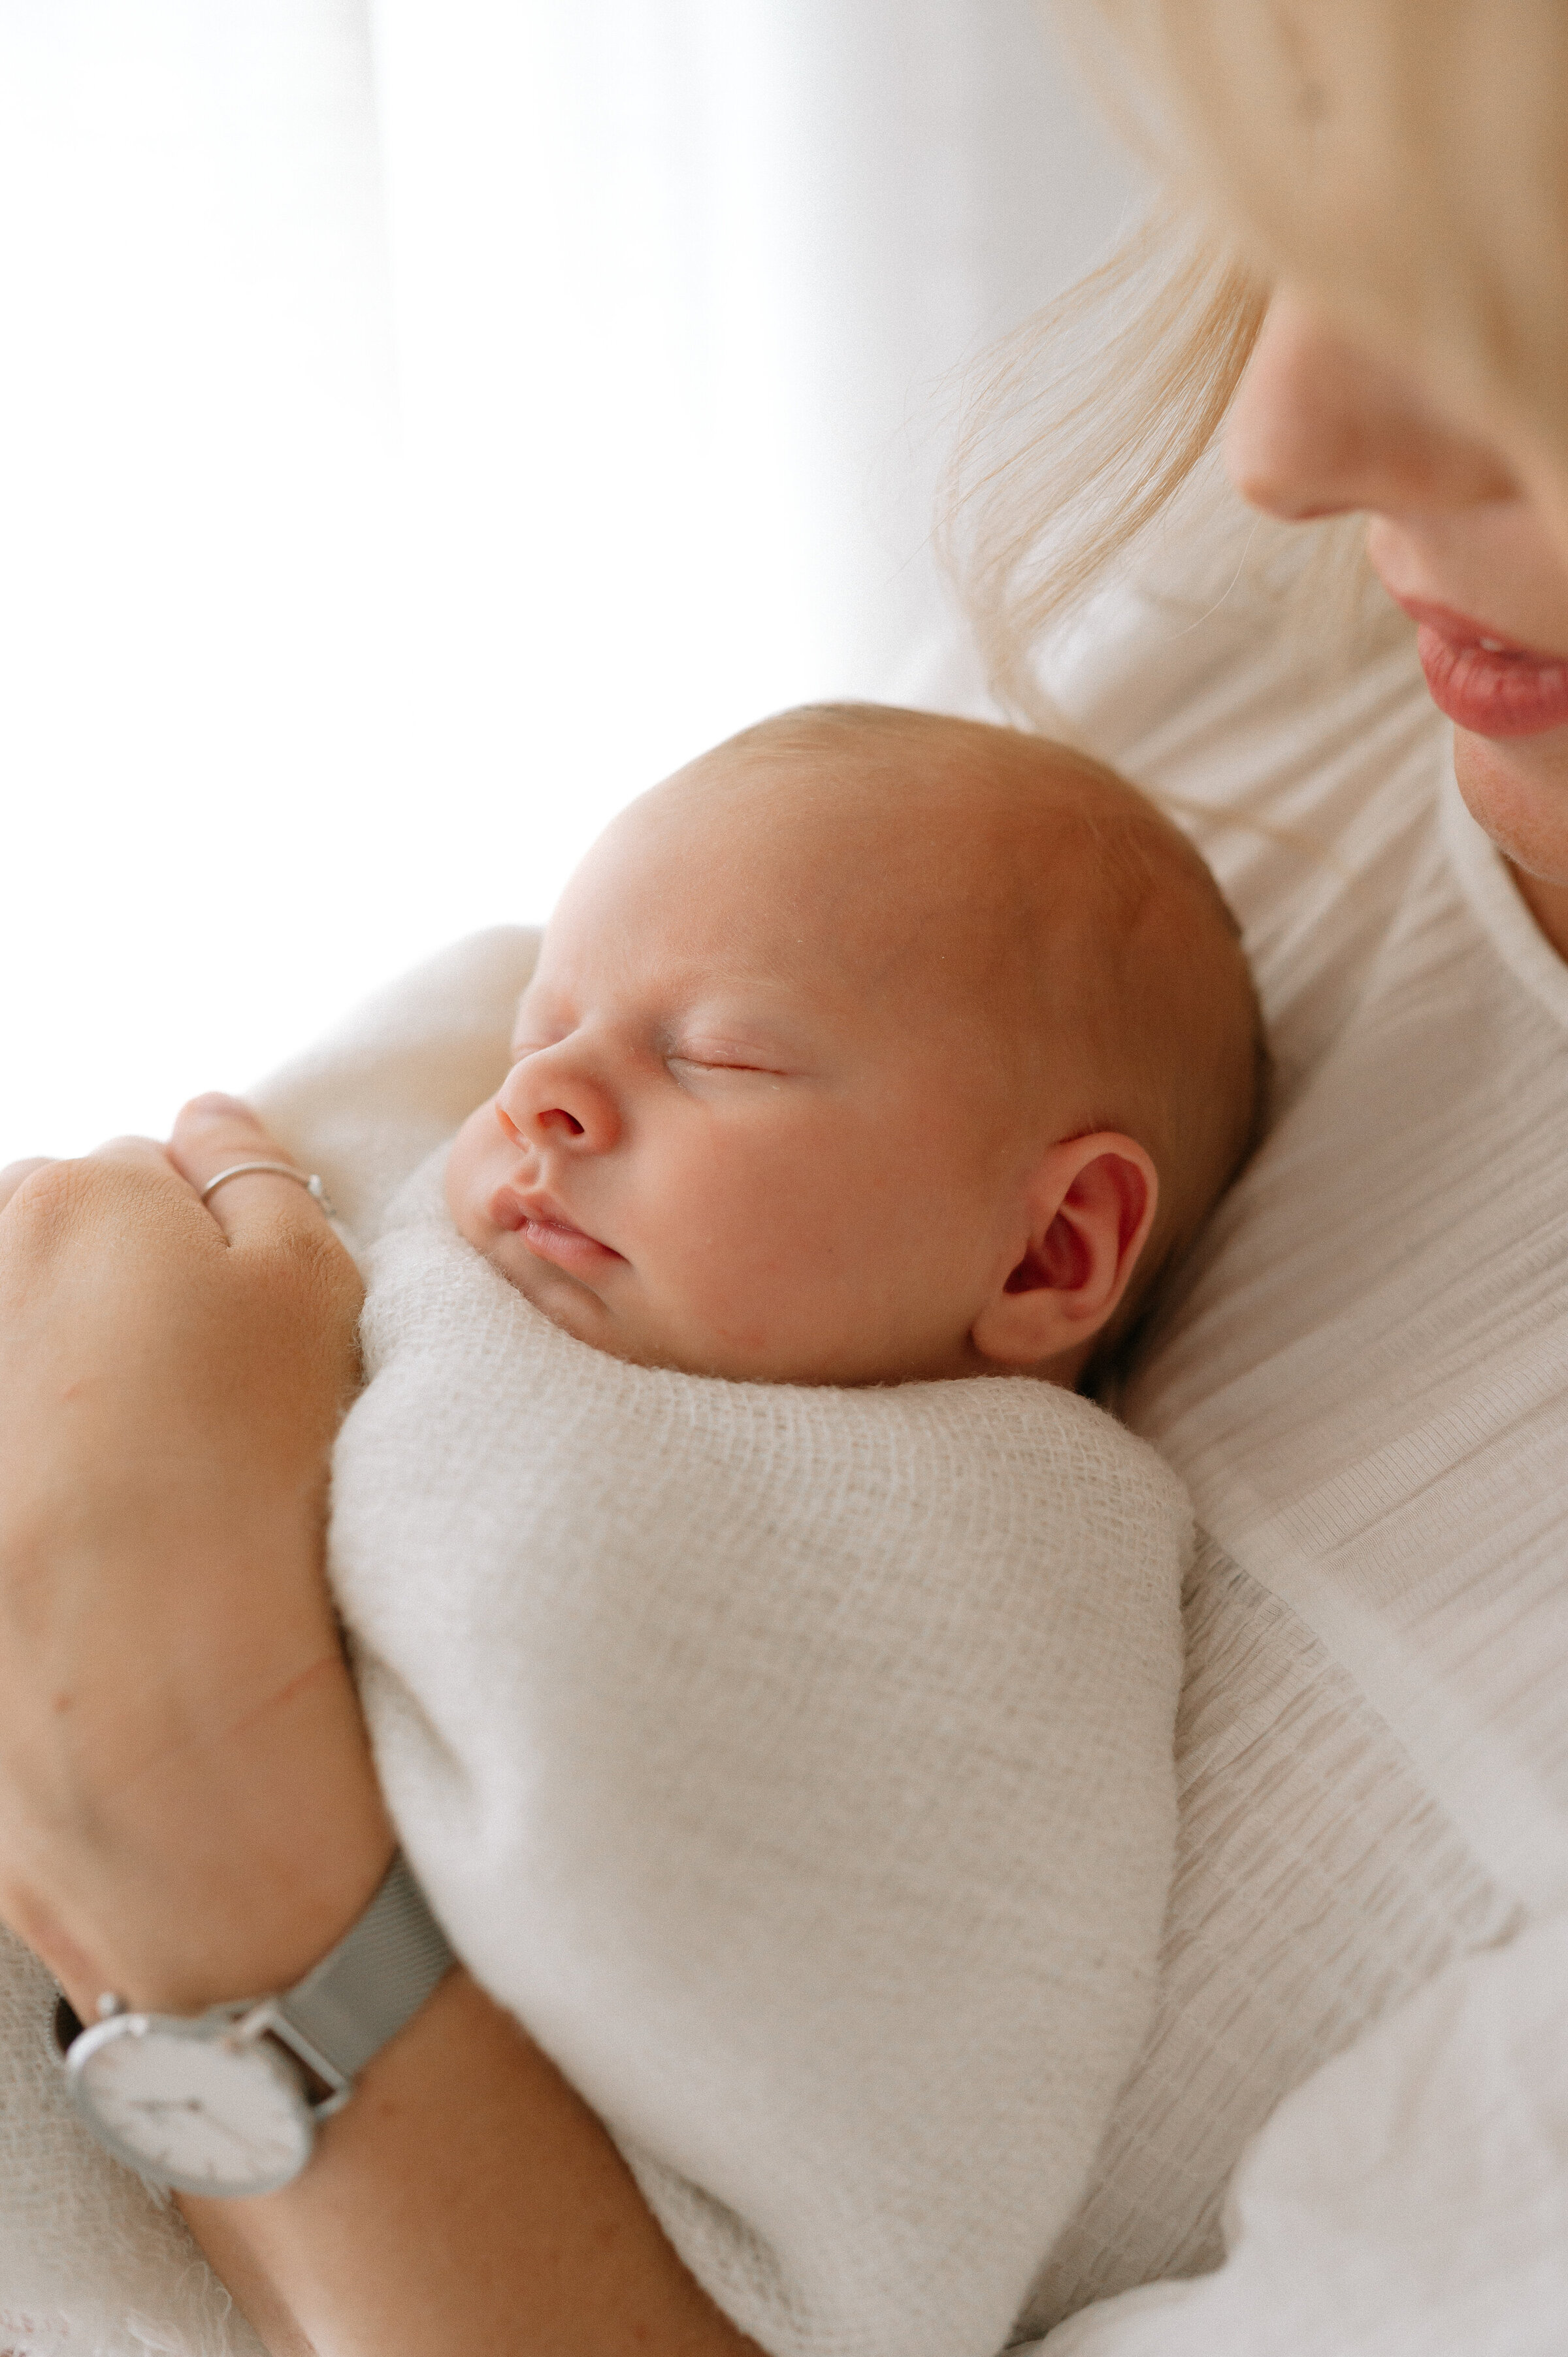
(420, 429)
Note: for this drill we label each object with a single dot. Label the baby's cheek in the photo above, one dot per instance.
(463, 1171)
(769, 1270)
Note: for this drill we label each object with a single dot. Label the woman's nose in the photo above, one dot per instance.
(1320, 427)
(550, 1098)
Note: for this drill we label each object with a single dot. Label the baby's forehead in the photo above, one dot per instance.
(955, 819)
(948, 846)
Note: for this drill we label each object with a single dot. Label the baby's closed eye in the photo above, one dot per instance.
(722, 1064)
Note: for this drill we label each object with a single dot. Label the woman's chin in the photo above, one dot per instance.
(1516, 790)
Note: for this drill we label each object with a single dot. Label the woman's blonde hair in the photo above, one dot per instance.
(1078, 432)
(1402, 157)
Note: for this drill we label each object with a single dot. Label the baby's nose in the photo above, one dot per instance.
(540, 1104)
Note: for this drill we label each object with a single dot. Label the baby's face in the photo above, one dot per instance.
(757, 1122)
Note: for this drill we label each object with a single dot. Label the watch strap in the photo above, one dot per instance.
(374, 1980)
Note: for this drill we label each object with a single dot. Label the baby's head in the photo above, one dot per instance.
(871, 1046)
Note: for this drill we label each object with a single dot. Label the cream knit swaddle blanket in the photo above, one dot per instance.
(796, 1763)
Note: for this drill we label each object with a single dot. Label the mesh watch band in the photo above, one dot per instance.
(374, 1980)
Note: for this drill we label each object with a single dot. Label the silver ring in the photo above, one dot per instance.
(312, 1185)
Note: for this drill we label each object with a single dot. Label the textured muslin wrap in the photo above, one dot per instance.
(797, 1763)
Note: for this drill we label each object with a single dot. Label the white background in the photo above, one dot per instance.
(420, 429)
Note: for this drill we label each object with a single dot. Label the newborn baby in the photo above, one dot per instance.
(871, 1047)
(778, 1718)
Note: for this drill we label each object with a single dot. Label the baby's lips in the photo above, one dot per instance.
(547, 1231)
(505, 1211)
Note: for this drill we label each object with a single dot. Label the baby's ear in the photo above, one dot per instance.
(1091, 1203)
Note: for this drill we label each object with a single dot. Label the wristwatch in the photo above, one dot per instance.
(227, 2102)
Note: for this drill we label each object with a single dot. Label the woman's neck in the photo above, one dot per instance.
(1548, 904)
(1516, 790)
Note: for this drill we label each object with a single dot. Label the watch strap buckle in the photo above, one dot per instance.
(267, 2019)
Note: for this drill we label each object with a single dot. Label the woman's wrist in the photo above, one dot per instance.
(467, 2199)
(194, 1775)
(176, 1909)
(190, 1809)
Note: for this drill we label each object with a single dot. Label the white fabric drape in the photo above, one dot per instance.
(291, 694)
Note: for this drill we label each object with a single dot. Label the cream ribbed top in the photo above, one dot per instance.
(1365, 1383)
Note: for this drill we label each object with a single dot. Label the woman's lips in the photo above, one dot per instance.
(548, 1233)
(1484, 682)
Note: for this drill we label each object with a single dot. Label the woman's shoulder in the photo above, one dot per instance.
(1364, 1381)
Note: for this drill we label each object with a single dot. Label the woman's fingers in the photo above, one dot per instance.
(215, 1132)
(210, 1135)
(14, 1173)
(134, 1154)
(275, 1228)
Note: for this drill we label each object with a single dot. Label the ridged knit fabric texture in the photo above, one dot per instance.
(1365, 1383)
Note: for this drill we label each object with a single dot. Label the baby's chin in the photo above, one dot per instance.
(554, 1292)
(575, 1311)
(570, 1305)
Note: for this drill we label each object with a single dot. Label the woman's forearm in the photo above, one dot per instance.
(466, 2200)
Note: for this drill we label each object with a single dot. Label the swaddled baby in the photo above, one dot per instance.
(771, 1659)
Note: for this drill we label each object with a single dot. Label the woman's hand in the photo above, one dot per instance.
(187, 1810)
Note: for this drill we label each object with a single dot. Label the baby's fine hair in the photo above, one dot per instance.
(1129, 946)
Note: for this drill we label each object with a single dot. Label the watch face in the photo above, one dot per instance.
(183, 2104)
